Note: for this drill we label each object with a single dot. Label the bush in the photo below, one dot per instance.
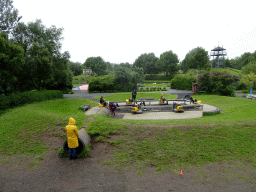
(245, 91)
(102, 84)
(217, 82)
(18, 99)
(182, 82)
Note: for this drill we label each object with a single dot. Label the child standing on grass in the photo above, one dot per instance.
(72, 135)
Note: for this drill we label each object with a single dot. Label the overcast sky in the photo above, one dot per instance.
(120, 31)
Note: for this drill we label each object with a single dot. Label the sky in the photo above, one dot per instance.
(120, 31)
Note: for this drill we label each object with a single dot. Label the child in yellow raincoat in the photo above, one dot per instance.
(72, 135)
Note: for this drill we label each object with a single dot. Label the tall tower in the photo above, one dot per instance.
(219, 54)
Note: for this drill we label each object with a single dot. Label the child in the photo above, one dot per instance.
(72, 134)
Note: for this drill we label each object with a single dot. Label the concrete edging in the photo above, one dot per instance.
(216, 111)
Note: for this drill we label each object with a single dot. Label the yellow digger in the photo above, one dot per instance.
(179, 109)
(102, 105)
(163, 100)
(137, 109)
(129, 101)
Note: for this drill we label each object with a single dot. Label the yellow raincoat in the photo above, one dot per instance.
(72, 133)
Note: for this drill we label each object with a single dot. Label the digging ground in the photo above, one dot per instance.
(51, 173)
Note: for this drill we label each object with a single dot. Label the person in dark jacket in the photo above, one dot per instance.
(134, 93)
(102, 101)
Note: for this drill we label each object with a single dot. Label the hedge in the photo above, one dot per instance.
(182, 82)
(102, 84)
(18, 99)
(157, 77)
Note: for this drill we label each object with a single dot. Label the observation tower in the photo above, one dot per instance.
(219, 54)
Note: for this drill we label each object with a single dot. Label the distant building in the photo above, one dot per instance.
(219, 54)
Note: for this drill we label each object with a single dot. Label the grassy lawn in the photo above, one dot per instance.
(229, 70)
(124, 96)
(21, 127)
(163, 144)
(155, 85)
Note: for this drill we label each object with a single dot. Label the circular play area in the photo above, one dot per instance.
(148, 108)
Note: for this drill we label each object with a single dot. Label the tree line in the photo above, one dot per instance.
(31, 58)
(30, 54)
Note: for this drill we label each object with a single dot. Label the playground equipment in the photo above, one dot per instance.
(129, 101)
(178, 108)
(102, 105)
(163, 101)
(137, 109)
(192, 100)
(83, 141)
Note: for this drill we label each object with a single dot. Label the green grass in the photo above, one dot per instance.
(157, 81)
(166, 147)
(124, 96)
(155, 85)
(229, 70)
(21, 127)
(163, 144)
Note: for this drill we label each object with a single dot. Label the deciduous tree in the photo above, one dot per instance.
(168, 62)
(9, 16)
(197, 58)
(11, 62)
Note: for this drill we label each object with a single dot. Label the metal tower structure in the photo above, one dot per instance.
(219, 54)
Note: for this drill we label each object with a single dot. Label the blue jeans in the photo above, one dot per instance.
(70, 151)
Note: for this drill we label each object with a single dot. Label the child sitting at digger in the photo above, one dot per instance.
(102, 101)
(162, 99)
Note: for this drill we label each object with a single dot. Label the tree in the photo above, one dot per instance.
(168, 62)
(9, 16)
(249, 80)
(76, 68)
(11, 62)
(251, 67)
(127, 65)
(197, 58)
(97, 64)
(123, 79)
(147, 61)
(138, 75)
(40, 66)
(49, 39)
(245, 59)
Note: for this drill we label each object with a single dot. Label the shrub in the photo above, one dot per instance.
(18, 99)
(245, 91)
(182, 82)
(102, 84)
(217, 82)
